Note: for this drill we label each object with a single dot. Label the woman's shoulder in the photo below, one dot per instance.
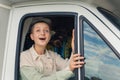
(25, 54)
(25, 58)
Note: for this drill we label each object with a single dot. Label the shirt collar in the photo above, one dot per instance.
(36, 56)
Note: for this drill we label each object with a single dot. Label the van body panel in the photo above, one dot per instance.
(4, 16)
(17, 12)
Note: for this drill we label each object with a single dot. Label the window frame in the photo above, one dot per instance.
(20, 29)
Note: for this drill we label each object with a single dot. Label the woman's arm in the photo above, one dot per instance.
(30, 73)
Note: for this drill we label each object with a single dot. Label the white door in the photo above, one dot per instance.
(4, 17)
(63, 16)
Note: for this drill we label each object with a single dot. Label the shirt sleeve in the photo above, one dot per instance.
(61, 63)
(31, 73)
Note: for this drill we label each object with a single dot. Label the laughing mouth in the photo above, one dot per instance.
(42, 38)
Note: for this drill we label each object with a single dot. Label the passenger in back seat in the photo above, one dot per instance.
(61, 43)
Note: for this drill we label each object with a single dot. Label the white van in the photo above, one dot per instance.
(97, 37)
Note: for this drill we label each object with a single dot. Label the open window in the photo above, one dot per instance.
(62, 26)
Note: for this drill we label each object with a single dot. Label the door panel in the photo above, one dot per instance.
(4, 17)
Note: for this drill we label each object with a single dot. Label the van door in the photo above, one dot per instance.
(18, 27)
(19, 24)
(102, 60)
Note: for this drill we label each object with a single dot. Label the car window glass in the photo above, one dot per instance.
(101, 61)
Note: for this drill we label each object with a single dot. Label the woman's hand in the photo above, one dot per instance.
(72, 42)
(76, 61)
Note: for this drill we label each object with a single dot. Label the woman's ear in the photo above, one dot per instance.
(31, 36)
(50, 37)
(52, 33)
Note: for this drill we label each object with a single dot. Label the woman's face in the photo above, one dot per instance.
(40, 34)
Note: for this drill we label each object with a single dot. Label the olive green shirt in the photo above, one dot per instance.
(49, 66)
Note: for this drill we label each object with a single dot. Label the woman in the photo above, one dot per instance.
(38, 63)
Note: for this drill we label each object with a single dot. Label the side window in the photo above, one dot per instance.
(101, 61)
(62, 26)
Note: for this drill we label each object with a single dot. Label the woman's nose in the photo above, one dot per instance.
(42, 32)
